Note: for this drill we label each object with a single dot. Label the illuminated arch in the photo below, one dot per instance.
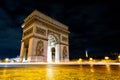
(52, 39)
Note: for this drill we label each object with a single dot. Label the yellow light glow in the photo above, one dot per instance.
(108, 67)
(86, 54)
(80, 60)
(6, 59)
(90, 59)
(106, 57)
(119, 56)
(91, 68)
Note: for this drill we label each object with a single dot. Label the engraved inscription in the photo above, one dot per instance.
(41, 31)
(64, 39)
(53, 27)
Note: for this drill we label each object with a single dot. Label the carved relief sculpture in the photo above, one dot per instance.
(64, 52)
(39, 48)
(41, 31)
(64, 39)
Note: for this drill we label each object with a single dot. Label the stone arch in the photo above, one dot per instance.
(53, 48)
(36, 38)
(40, 48)
(52, 39)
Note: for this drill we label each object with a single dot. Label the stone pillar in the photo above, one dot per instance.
(61, 53)
(31, 49)
(22, 52)
(57, 53)
(67, 53)
(49, 54)
(45, 50)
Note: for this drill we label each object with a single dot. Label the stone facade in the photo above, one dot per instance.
(44, 39)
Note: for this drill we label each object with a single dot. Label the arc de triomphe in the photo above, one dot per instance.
(44, 39)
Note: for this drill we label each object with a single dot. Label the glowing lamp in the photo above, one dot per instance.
(90, 59)
(80, 59)
(119, 57)
(106, 57)
(6, 59)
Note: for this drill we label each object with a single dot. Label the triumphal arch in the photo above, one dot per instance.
(44, 39)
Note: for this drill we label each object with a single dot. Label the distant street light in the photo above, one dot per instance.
(119, 57)
(106, 57)
(6, 59)
(80, 60)
(90, 59)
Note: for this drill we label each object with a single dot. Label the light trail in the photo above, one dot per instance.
(53, 63)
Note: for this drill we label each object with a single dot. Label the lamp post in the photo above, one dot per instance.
(90, 59)
(6, 60)
(119, 58)
(80, 60)
(106, 57)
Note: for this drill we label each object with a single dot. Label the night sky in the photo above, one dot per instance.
(93, 26)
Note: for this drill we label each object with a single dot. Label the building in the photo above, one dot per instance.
(44, 39)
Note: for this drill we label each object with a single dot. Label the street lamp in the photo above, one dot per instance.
(80, 60)
(90, 59)
(6, 59)
(118, 57)
(106, 57)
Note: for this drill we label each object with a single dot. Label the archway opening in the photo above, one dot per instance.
(53, 48)
(53, 53)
